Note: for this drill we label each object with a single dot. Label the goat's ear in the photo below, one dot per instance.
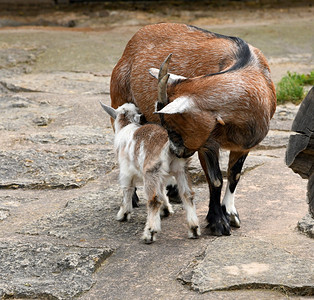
(172, 77)
(179, 105)
(109, 110)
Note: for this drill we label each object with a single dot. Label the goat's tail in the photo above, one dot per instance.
(242, 54)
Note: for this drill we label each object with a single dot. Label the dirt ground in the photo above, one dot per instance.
(284, 33)
(59, 191)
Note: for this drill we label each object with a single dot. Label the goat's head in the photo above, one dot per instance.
(124, 115)
(180, 112)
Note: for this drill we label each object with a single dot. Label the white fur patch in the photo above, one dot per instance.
(179, 105)
(228, 201)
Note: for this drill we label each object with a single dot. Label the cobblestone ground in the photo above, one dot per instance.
(58, 176)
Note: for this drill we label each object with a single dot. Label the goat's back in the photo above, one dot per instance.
(142, 147)
(194, 53)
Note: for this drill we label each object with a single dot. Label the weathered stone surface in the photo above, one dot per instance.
(16, 56)
(42, 120)
(74, 135)
(249, 263)
(283, 117)
(45, 270)
(51, 169)
(306, 225)
(275, 139)
(4, 213)
(253, 161)
(22, 112)
(90, 217)
(8, 203)
(59, 82)
(16, 59)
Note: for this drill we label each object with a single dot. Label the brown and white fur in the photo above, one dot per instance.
(219, 95)
(144, 153)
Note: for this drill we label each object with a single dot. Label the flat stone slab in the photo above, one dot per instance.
(90, 218)
(74, 135)
(284, 116)
(59, 83)
(22, 112)
(233, 263)
(52, 169)
(49, 271)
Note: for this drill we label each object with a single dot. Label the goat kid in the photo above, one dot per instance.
(217, 94)
(143, 152)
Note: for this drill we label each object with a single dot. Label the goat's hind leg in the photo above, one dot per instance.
(153, 222)
(124, 213)
(187, 196)
(236, 161)
(126, 182)
(173, 192)
(166, 208)
(135, 199)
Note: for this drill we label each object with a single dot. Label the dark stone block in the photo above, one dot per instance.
(300, 150)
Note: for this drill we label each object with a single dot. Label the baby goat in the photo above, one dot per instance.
(144, 152)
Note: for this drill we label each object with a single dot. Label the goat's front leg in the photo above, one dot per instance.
(236, 161)
(218, 222)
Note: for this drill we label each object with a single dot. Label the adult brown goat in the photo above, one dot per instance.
(222, 96)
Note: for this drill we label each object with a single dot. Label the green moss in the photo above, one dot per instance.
(291, 87)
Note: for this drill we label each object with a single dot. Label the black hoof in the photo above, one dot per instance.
(151, 239)
(173, 193)
(125, 218)
(233, 219)
(218, 225)
(195, 230)
(135, 199)
(148, 241)
(166, 212)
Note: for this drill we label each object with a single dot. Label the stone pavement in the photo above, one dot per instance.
(59, 196)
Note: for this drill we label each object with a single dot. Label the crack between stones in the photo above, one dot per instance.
(16, 89)
(284, 289)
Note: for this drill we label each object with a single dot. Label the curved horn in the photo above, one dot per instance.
(162, 90)
(164, 67)
(163, 77)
